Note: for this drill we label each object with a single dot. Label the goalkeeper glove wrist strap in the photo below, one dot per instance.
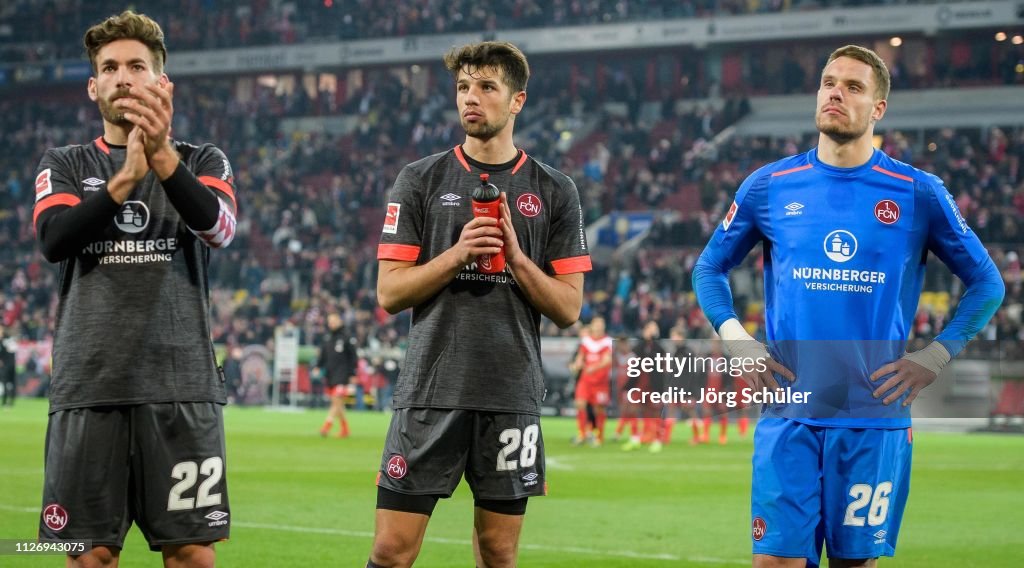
(933, 357)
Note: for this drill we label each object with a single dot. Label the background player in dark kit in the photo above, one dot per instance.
(8, 376)
(136, 430)
(337, 362)
(468, 397)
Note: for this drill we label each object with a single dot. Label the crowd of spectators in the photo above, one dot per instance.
(311, 204)
(42, 30)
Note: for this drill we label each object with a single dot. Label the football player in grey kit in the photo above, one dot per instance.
(468, 398)
(135, 430)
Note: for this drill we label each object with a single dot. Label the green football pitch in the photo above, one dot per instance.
(301, 500)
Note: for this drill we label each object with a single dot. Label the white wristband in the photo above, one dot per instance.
(933, 357)
(736, 342)
(732, 330)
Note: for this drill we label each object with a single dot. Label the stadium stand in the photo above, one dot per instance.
(662, 135)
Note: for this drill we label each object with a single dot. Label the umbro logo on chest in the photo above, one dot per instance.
(92, 184)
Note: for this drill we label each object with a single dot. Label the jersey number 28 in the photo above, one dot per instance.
(513, 438)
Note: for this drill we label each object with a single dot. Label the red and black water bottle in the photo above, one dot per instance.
(486, 200)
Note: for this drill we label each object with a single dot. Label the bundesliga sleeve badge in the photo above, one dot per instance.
(391, 218)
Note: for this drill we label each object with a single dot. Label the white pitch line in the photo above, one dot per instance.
(22, 471)
(527, 546)
(19, 509)
(465, 542)
(557, 463)
(292, 528)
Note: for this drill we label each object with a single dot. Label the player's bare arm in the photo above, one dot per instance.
(604, 363)
(577, 362)
(151, 109)
(559, 297)
(402, 285)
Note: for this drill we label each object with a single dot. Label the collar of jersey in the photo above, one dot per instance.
(493, 168)
(812, 158)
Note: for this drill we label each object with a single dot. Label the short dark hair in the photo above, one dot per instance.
(865, 55)
(500, 54)
(127, 25)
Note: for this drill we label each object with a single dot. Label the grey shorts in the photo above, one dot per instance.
(160, 466)
(428, 450)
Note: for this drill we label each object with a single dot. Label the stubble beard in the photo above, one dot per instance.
(839, 133)
(482, 130)
(110, 113)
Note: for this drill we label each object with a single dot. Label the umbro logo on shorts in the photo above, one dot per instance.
(530, 478)
(216, 518)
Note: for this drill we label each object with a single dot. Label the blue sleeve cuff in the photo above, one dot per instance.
(978, 304)
(713, 294)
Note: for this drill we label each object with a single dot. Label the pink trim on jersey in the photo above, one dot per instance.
(465, 164)
(102, 145)
(519, 164)
(404, 253)
(222, 232)
(572, 264)
(793, 170)
(52, 201)
(462, 158)
(220, 185)
(882, 170)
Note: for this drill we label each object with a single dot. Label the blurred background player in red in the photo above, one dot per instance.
(648, 349)
(593, 387)
(575, 368)
(687, 379)
(715, 382)
(742, 411)
(621, 356)
(337, 365)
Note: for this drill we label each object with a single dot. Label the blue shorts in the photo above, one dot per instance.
(844, 488)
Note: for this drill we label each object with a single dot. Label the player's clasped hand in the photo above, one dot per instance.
(150, 108)
(906, 375)
(479, 236)
(135, 164)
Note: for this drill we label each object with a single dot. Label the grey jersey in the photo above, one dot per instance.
(476, 344)
(132, 318)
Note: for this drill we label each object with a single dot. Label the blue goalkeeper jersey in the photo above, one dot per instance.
(844, 262)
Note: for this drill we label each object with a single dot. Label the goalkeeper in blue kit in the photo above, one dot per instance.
(846, 232)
